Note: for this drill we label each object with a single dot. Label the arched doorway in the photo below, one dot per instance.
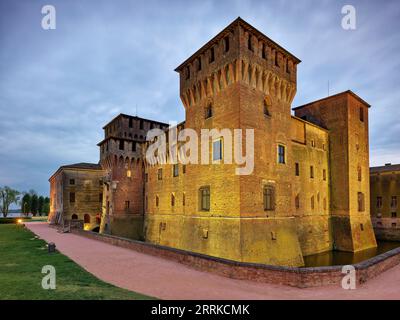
(86, 218)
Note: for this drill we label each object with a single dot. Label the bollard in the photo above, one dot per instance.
(51, 247)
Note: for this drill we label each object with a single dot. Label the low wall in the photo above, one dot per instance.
(296, 277)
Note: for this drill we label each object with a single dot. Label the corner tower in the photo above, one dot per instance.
(345, 115)
(248, 82)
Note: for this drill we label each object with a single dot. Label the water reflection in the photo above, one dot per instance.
(334, 258)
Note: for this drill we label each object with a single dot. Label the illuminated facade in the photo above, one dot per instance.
(308, 192)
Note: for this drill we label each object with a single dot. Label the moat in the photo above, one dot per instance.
(335, 258)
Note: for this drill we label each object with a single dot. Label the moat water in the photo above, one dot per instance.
(337, 258)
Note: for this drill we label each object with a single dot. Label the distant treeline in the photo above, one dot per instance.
(30, 201)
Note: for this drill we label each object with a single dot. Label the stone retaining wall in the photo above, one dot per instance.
(296, 277)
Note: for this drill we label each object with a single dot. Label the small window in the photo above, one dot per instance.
(313, 143)
(72, 197)
(175, 170)
(130, 123)
(393, 203)
(226, 43)
(312, 172)
(281, 154)
(394, 224)
(276, 59)
(394, 214)
(157, 201)
(204, 195)
(324, 174)
(297, 169)
(361, 114)
(361, 227)
(183, 199)
(267, 109)
(121, 144)
(312, 202)
(71, 181)
(287, 67)
(249, 43)
(159, 174)
(187, 73)
(74, 217)
(212, 55)
(184, 168)
(86, 218)
(379, 202)
(100, 197)
(208, 111)
(134, 146)
(297, 202)
(127, 204)
(263, 52)
(324, 203)
(361, 202)
(172, 200)
(141, 124)
(100, 182)
(269, 198)
(359, 173)
(146, 177)
(217, 150)
(199, 64)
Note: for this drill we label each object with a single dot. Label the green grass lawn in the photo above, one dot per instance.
(22, 257)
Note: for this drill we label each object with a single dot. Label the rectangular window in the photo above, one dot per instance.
(172, 200)
(134, 146)
(127, 203)
(276, 59)
(204, 195)
(183, 199)
(361, 114)
(146, 177)
(297, 202)
(100, 197)
(199, 64)
(312, 202)
(212, 55)
(217, 150)
(393, 203)
(130, 123)
(71, 181)
(361, 203)
(312, 172)
(324, 175)
(281, 154)
(269, 198)
(157, 201)
(72, 197)
(184, 168)
(394, 214)
(175, 170)
(159, 174)
(379, 202)
(263, 52)
(121, 144)
(141, 125)
(297, 169)
(226, 42)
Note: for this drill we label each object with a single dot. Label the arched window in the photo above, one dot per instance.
(74, 217)
(86, 218)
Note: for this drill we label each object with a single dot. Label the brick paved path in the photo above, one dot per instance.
(165, 279)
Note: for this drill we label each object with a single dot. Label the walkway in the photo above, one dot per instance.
(166, 279)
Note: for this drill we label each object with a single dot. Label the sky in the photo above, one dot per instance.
(59, 87)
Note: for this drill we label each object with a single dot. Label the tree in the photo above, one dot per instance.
(34, 205)
(46, 206)
(40, 205)
(26, 203)
(7, 197)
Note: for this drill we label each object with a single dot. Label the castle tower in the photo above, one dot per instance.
(123, 190)
(241, 79)
(345, 115)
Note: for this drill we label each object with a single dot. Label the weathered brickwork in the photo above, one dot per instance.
(385, 195)
(345, 115)
(76, 194)
(121, 158)
(308, 192)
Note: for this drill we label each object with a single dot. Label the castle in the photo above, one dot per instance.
(308, 191)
